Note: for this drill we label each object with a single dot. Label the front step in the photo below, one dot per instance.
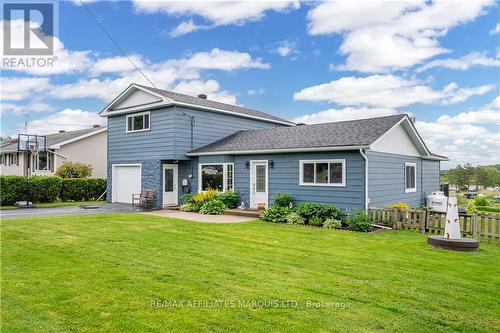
(243, 212)
(172, 207)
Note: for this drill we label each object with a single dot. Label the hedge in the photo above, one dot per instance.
(82, 189)
(50, 188)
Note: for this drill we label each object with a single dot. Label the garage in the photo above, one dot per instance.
(126, 181)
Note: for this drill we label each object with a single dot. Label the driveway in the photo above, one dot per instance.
(68, 210)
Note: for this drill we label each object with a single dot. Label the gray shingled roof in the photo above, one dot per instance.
(181, 98)
(362, 132)
(52, 139)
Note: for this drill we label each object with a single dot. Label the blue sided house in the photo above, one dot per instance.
(175, 144)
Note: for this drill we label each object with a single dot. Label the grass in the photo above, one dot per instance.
(103, 272)
(58, 204)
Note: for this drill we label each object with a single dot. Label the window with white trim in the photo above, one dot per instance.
(44, 161)
(138, 122)
(410, 177)
(322, 172)
(216, 176)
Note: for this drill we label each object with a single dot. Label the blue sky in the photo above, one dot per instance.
(309, 62)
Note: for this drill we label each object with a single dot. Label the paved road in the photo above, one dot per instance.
(68, 210)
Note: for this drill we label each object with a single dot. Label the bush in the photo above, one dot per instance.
(200, 198)
(213, 207)
(283, 200)
(45, 188)
(315, 221)
(481, 201)
(12, 189)
(332, 224)
(294, 218)
(74, 170)
(275, 214)
(471, 207)
(359, 221)
(187, 198)
(309, 209)
(488, 209)
(398, 205)
(230, 198)
(189, 207)
(82, 189)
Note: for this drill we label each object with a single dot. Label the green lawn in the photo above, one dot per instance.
(59, 204)
(102, 272)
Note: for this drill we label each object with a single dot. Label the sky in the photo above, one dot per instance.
(308, 62)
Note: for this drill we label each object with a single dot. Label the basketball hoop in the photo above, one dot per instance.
(33, 150)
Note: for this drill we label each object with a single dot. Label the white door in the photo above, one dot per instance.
(258, 183)
(170, 181)
(126, 181)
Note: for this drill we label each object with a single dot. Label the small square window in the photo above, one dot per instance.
(138, 122)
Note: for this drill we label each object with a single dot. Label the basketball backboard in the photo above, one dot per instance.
(29, 142)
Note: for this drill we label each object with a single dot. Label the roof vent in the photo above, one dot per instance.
(202, 96)
(299, 124)
(96, 126)
(62, 131)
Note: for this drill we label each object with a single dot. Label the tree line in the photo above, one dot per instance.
(466, 175)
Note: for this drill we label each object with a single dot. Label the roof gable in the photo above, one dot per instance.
(399, 140)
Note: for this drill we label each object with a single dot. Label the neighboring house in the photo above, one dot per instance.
(85, 146)
(177, 144)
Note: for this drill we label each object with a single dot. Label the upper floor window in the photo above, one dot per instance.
(138, 122)
(322, 172)
(410, 177)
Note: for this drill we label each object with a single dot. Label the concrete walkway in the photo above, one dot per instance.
(66, 210)
(177, 214)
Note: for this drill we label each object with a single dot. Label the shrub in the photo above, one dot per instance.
(332, 224)
(359, 221)
(275, 214)
(189, 207)
(230, 198)
(213, 207)
(200, 198)
(471, 207)
(294, 218)
(80, 189)
(187, 198)
(309, 209)
(12, 189)
(45, 188)
(283, 200)
(481, 201)
(488, 209)
(315, 221)
(398, 205)
(74, 170)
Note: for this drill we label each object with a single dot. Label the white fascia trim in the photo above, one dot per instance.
(436, 158)
(275, 151)
(367, 200)
(58, 145)
(105, 111)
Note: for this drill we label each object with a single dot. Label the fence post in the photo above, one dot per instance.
(395, 219)
(474, 225)
(423, 221)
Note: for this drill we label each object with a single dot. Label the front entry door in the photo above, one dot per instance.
(170, 181)
(258, 184)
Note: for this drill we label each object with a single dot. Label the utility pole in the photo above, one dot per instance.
(26, 119)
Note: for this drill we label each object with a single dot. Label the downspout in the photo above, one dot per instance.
(362, 152)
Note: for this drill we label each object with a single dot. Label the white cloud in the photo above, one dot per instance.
(496, 30)
(462, 63)
(15, 88)
(7, 108)
(209, 88)
(348, 113)
(472, 136)
(255, 92)
(381, 36)
(286, 48)
(385, 91)
(183, 28)
(62, 62)
(224, 60)
(68, 120)
(116, 65)
(217, 13)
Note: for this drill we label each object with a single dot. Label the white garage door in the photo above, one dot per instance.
(126, 181)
